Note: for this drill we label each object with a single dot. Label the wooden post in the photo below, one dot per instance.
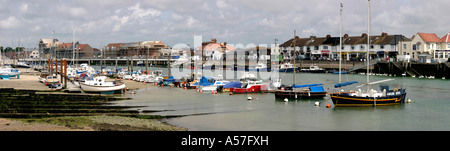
(65, 73)
(48, 63)
(62, 72)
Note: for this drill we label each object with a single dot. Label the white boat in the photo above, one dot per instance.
(218, 82)
(99, 85)
(51, 79)
(248, 76)
(313, 69)
(6, 73)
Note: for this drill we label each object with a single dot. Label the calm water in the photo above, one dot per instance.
(431, 110)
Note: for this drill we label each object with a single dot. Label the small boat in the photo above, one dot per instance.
(259, 67)
(42, 77)
(313, 69)
(217, 83)
(51, 79)
(227, 87)
(342, 72)
(99, 85)
(251, 87)
(6, 73)
(309, 91)
(287, 67)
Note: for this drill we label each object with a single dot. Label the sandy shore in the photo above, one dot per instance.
(29, 81)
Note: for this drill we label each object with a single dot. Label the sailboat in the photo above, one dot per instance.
(307, 91)
(370, 97)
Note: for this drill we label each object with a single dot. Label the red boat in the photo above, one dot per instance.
(251, 87)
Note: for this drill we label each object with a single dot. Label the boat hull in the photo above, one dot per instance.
(102, 89)
(252, 89)
(281, 94)
(345, 100)
(288, 70)
(313, 71)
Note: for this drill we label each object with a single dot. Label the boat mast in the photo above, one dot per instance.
(368, 43)
(340, 44)
(293, 79)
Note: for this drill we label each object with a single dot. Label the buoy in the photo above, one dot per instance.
(185, 88)
(285, 100)
(215, 92)
(282, 88)
(317, 103)
(249, 98)
(328, 106)
(212, 92)
(132, 92)
(408, 101)
(201, 91)
(128, 89)
(162, 85)
(231, 93)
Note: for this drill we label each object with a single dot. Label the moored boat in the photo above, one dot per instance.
(310, 91)
(370, 97)
(99, 85)
(313, 69)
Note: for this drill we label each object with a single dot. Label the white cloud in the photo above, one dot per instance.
(221, 4)
(9, 23)
(139, 13)
(24, 7)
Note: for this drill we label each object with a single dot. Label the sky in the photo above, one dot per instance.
(99, 22)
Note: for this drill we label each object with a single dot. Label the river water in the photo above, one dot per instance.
(224, 112)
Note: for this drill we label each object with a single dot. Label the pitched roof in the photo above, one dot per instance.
(429, 37)
(446, 38)
(115, 45)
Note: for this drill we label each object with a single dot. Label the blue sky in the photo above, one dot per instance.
(99, 22)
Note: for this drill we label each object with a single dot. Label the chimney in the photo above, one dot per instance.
(312, 37)
(384, 34)
(214, 40)
(364, 35)
(345, 36)
(328, 36)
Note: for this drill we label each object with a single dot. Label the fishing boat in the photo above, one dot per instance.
(313, 69)
(370, 97)
(308, 91)
(287, 67)
(99, 85)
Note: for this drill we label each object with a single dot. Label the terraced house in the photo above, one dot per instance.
(427, 47)
(382, 46)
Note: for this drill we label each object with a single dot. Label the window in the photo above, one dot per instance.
(362, 47)
(353, 47)
(404, 46)
(325, 47)
(414, 47)
(316, 47)
(381, 47)
(371, 46)
(448, 46)
(429, 46)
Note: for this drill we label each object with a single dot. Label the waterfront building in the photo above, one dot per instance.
(212, 50)
(353, 47)
(47, 47)
(443, 52)
(135, 49)
(65, 50)
(422, 47)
